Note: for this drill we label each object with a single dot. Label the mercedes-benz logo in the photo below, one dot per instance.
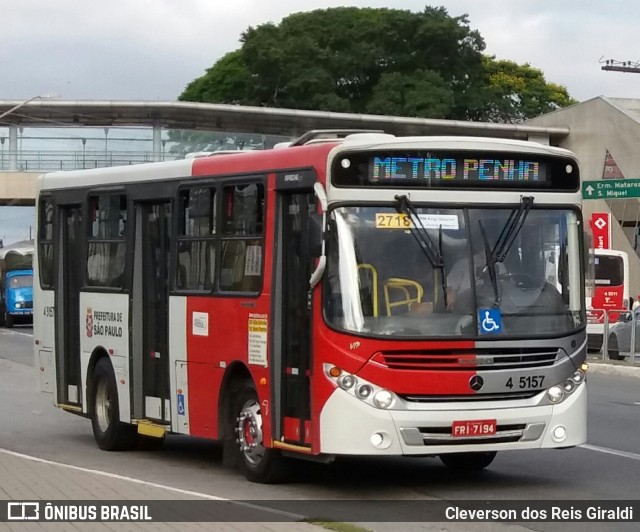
(476, 382)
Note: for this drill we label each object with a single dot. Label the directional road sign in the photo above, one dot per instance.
(611, 189)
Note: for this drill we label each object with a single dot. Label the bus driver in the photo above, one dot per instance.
(458, 280)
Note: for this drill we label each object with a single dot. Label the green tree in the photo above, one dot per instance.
(419, 94)
(517, 92)
(381, 61)
(228, 77)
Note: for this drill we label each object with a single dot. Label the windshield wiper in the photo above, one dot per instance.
(431, 251)
(490, 262)
(511, 228)
(507, 237)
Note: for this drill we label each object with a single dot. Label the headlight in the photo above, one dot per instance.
(365, 391)
(346, 382)
(383, 399)
(18, 305)
(569, 385)
(555, 393)
(578, 376)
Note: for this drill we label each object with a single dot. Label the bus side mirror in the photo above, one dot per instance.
(315, 234)
(321, 194)
(589, 264)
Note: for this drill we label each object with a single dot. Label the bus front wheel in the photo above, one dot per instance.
(468, 461)
(110, 434)
(8, 320)
(258, 463)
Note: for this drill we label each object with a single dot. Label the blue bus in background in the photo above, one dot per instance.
(16, 283)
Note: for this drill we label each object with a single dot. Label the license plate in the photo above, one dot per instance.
(476, 427)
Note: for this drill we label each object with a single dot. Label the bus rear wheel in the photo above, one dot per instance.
(468, 461)
(110, 434)
(257, 463)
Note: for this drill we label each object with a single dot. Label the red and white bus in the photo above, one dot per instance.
(610, 292)
(365, 295)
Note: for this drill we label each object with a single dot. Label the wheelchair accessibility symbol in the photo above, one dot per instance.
(181, 404)
(490, 320)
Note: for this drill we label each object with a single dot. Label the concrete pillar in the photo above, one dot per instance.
(13, 148)
(157, 141)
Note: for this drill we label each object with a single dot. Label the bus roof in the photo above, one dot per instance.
(313, 153)
(22, 248)
(611, 253)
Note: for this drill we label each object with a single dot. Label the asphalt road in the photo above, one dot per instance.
(608, 467)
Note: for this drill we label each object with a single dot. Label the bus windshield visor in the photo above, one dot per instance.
(428, 272)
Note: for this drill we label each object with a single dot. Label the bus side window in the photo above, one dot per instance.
(45, 242)
(196, 240)
(242, 244)
(106, 252)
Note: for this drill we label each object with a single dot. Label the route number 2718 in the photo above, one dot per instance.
(393, 221)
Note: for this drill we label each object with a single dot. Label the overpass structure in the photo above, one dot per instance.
(19, 167)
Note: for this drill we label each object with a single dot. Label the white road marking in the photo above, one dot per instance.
(16, 332)
(605, 450)
(151, 484)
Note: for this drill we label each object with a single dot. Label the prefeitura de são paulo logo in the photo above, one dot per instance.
(89, 323)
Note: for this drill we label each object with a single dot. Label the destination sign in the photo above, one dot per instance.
(455, 169)
(433, 168)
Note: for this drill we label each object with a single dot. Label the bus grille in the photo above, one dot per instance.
(486, 359)
(469, 398)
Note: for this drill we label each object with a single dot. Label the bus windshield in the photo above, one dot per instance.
(609, 270)
(21, 281)
(611, 290)
(428, 273)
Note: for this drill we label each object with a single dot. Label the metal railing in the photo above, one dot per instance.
(620, 337)
(53, 160)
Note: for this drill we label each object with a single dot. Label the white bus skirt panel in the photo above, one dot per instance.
(351, 427)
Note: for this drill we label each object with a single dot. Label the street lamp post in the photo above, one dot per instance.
(16, 107)
(106, 145)
(13, 131)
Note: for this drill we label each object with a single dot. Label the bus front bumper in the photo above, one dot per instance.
(351, 427)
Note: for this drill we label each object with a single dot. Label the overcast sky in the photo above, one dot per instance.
(151, 49)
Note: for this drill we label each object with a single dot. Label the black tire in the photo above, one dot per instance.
(613, 351)
(8, 320)
(468, 461)
(257, 463)
(150, 443)
(110, 434)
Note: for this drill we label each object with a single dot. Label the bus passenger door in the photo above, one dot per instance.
(67, 302)
(150, 312)
(292, 339)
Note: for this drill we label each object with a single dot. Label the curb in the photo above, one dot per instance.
(613, 369)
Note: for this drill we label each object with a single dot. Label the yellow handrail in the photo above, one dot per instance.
(374, 282)
(404, 286)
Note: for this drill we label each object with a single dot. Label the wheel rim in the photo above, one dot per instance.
(103, 406)
(249, 430)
